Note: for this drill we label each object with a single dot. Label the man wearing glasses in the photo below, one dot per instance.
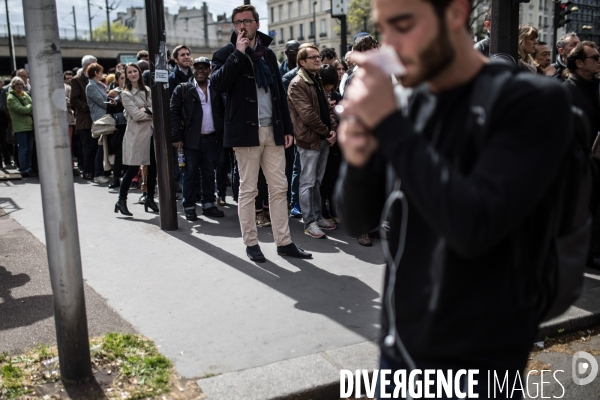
(257, 127)
(197, 128)
(314, 128)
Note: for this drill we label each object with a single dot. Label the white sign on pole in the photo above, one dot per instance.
(338, 8)
(161, 75)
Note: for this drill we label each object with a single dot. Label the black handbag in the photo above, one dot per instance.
(120, 118)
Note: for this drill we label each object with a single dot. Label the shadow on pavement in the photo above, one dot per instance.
(21, 311)
(8, 205)
(344, 299)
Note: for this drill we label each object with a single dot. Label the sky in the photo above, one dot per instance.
(65, 9)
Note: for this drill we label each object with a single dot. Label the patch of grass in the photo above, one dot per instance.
(139, 361)
(11, 380)
(125, 366)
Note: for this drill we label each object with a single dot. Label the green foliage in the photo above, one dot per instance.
(11, 380)
(359, 16)
(140, 359)
(118, 32)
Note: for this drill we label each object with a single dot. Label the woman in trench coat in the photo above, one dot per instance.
(138, 147)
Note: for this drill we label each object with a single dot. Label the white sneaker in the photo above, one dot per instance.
(101, 179)
(314, 231)
(326, 224)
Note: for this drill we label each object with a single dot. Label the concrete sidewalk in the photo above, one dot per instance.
(211, 310)
(243, 330)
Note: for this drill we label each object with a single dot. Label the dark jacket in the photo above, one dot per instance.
(79, 103)
(309, 128)
(560, 69)
(287, 78)
(189, 111)
(284, 68)
(475, 219)
(176, 77)
(233, 75)
(483, 46)
(586, 95)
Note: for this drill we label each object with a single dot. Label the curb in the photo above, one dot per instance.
(583, 315)
(314, 376)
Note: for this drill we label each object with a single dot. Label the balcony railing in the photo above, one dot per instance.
(300, 38)
(311, 36)
(323, 34)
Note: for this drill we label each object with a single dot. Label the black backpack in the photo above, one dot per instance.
(560, 271)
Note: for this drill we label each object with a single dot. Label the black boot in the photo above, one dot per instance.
(122, 206)
(115, 183)
(150, 204)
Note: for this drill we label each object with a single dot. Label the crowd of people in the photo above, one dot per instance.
(218, 109)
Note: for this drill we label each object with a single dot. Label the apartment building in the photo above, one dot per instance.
(185, 27)
(586, 20)
(304, 21)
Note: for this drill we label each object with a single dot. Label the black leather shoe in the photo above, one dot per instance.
(213, 212)
(291, 250)
(150, 204)
(115, 183)
(254, 254)
(190, 215)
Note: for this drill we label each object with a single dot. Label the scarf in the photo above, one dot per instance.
(261, 69)
(323, 104)
(20, 94)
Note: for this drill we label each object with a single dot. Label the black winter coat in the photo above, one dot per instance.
(191, 108)
(176, 77)
(233, 75)
(586, 95)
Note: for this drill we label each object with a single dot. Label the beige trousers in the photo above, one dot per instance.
(272, 160)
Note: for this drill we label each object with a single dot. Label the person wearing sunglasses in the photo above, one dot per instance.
(583, 64)
(257, 126)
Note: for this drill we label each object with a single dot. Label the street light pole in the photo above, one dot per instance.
(505, 27)
(11, 43)
(58, 196)
(75, 22)
(108, 19)
(314, 22)
(90, 21)
(157, 47)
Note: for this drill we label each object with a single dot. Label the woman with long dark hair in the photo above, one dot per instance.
(116, 109)
(138, 148)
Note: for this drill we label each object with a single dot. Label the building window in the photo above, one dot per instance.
(290, 10)
(280, 12)
(291, 33)
(312, 30)
(272, 14)
(301, 32)
(540, 23)
(300, 6)
(281, 33)
(323, 28)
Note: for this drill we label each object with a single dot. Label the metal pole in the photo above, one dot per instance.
(505, 28)
(58, 197)
(157, 39)
(90, 21)
(246, 2)
(314, 22)
(205, 18)
(344, 34)
(555, 31)
(75, 22)
(108, 20)
(11, 43)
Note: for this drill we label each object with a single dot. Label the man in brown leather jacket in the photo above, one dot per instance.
(314, 131)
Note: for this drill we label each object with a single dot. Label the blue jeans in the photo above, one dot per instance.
(296, 177)
(200, 166)
(99, 163)
(313, 163)
(25, 146)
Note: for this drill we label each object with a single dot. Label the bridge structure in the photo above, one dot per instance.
(73, 48)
